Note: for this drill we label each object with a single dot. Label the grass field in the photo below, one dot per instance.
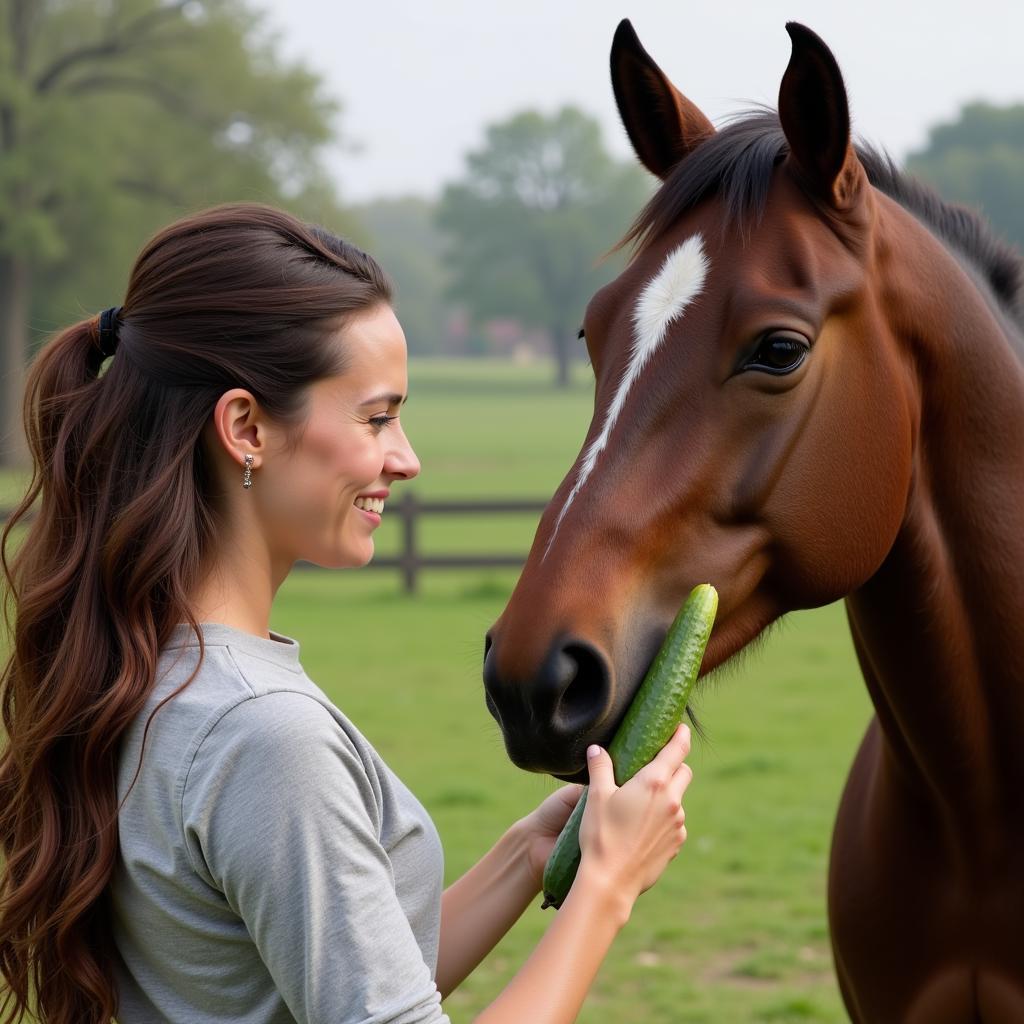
(735, 931)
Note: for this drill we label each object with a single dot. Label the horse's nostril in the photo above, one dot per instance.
(585, 695)
(547, 712)
(487, 645)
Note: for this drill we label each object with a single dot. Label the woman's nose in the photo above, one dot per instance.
(402, 460)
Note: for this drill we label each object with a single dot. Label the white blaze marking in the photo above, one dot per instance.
(662, 300)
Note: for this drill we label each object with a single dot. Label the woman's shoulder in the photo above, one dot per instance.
(229, 655)
(286, 754)
(295, 732)
(284, 722)
(238, 681)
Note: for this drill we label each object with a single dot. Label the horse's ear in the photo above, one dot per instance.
(815, 117)
(661, 122)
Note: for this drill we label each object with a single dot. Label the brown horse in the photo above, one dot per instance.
(809, 386)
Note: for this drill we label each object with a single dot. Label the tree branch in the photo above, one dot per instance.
(151, 18)
(122, 41)
(113, 82)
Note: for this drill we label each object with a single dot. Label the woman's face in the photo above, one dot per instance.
(322, 502)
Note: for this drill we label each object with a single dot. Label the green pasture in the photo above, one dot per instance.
(735, 931)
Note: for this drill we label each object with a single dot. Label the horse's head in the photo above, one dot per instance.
(750, 427)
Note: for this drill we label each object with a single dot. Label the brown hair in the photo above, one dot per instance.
(241, 295)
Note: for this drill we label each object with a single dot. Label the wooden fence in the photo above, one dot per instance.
(410, 560)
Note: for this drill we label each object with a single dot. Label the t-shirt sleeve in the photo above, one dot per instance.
(281, 817)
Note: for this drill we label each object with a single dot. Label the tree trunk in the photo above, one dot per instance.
(14, 300)
(560, 344)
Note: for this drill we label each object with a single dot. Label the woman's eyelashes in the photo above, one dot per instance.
(381, 421)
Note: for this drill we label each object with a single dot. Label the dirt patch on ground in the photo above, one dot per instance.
(737, 967)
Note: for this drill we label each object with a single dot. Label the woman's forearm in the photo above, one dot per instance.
(479, 908)
(551, 986)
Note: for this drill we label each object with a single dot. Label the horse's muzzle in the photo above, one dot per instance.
(549, 715)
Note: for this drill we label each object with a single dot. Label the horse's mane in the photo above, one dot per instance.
(737, 162)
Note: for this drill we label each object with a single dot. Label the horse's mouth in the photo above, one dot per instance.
(606, 734)
(731, 634)
(582, 774)
(712, 660)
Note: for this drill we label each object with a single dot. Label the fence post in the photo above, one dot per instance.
(410, 556)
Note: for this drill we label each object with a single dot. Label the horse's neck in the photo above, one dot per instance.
(939, 629)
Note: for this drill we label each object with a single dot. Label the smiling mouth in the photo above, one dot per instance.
(375, 505)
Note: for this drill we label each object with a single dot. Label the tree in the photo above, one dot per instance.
(404, 237)
(538, 205)
(978, 159)
(117, 116)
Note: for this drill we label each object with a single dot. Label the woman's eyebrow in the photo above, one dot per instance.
(385, 397)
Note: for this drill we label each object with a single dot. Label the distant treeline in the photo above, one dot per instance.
(114, 119)
(978, 159)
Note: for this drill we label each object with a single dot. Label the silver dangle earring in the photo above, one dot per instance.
(247, 480)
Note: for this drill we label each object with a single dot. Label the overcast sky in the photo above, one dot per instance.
(420, 78)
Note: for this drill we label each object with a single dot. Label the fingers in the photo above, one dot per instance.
(570, 794)
(668, 770)
(599, 765)
(667, 759)
(681, 779)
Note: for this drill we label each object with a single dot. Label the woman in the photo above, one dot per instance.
(191, 830)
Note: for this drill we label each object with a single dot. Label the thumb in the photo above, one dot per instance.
(602, 774)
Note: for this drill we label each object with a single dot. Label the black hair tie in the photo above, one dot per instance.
(109, 323)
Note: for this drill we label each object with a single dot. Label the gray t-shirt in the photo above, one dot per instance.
(273, 868)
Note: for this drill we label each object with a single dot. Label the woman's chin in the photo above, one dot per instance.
(353, 559)
(361, 555)
(348, 556)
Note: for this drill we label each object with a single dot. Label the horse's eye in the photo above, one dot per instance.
(778, 352)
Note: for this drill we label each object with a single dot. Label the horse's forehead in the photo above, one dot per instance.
(646, 265)
(620, 295)
(789, 249)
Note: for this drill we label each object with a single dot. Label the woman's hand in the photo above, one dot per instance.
(629, 833)
(636, 829)
(542, 826)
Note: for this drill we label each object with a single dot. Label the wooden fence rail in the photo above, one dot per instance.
(410, 560)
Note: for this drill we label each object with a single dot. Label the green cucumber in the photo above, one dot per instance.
(652, 718)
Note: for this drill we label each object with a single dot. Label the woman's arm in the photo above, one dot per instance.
(628, 835)
(479, 908)
(551, 986)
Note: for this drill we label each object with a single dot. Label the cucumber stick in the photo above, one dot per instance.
(656, 710)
